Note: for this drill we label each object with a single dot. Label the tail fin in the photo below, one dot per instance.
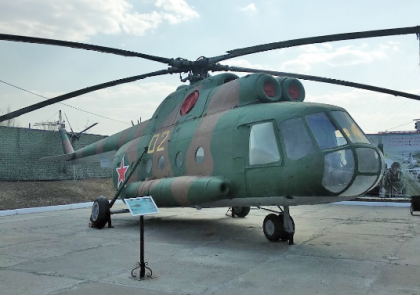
(67, 147)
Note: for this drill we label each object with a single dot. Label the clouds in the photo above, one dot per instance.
(128, 101)
(325, 54)
(191, 29)
(242, 63)
(296, 65)
(78, 20)
(251, 7)
(176, 11)
(151, 90)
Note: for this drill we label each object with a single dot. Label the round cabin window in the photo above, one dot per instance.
(161, 162)
(199, 155)
(149, 165)
(179, 159)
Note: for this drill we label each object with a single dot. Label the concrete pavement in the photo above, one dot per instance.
(339, 250)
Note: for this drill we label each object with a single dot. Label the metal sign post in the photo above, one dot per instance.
(140, 207)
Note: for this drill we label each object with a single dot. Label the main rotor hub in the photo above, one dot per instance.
(197, 70)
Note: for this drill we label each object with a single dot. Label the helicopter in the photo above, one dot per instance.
(229, 141)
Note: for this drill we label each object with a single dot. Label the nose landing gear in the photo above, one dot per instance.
(279, 226)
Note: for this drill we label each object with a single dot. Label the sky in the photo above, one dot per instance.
(190, 29)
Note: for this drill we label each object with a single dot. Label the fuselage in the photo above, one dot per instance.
(220, 143)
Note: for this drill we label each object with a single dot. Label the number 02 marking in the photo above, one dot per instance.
(162, 137)
(165, 137)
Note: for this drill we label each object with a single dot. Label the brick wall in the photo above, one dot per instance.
(20, 149)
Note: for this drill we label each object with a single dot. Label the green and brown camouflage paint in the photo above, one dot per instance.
(67, 147)
(219, 123)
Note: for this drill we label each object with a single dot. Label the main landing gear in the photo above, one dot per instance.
(279, 226)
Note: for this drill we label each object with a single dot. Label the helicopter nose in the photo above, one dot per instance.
(340, 168)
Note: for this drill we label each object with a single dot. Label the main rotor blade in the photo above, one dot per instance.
(17, 38)
(313, 40)
(78, 93)
(325, 80)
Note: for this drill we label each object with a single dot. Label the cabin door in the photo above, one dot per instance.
(263, 162)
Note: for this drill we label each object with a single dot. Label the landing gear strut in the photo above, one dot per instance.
(279, 226)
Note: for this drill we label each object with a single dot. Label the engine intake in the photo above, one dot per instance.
(292, 89)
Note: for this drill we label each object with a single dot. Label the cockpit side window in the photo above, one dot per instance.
(350, 128)
(326, 134)
(263, 147)
(296, 139)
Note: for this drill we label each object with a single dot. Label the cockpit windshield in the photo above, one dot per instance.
(297, 140)
(326, 134)
(349, 127)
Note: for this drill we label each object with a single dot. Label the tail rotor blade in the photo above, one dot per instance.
(68, 121)
(86, 129)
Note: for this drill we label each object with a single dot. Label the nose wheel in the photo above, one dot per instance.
(279, 226)
(101, 214)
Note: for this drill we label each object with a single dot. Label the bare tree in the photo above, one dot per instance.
(9, 123)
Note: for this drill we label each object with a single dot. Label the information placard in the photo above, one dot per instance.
(141, 206)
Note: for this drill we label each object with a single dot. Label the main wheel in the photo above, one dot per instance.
(272, 227)
(241, 211)
(100, 212)
(416, 203)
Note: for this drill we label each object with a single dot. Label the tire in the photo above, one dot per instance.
(100, 212)
(272, 227)
(241, 211)
(415, 203)
(284, 235)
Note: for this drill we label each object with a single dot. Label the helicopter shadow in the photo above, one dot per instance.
(195, 230)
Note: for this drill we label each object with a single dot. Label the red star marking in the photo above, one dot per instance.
(121, 172)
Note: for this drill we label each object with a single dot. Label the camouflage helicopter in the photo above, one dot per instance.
(225, 141)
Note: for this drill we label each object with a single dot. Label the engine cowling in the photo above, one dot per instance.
(292, 89)
(260, 87)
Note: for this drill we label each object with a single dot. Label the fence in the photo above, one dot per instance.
(20, 149)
